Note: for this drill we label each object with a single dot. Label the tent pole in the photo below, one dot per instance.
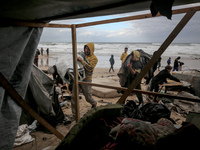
(19, 100)
(158, 53)
(76, 92)
(142, 92)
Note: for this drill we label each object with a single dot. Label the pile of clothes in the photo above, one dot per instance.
(140, 128)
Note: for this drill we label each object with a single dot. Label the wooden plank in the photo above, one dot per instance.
(34, 24)
(76, 92)
(158, 53)
(142, 92)
(135, 17)
(19, 100)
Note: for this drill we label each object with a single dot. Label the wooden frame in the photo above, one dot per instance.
(190, 12)
(143, 92)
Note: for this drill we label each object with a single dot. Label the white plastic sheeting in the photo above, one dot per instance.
(65, 68)
(23, 135)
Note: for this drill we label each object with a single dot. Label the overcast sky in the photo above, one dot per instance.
(145, 30)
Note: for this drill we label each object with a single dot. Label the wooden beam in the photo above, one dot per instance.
(158, 53)
(50, 25)
(135, 17)
(19, 100)
(142, 92)
(34, 24)
(76, 92)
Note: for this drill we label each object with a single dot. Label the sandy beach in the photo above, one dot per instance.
(43, 140)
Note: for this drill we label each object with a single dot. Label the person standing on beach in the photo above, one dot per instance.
(124, 55)
(41, 51)
(176, 61)
(169, 61)
(112, 61)
(36, 57)
(47, 51)
(89, 65)
(135, 66)
(160, 78)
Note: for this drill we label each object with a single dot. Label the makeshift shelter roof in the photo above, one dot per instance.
(45, 10)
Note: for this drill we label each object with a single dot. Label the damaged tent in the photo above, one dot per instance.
(41, 96)
(17, 53)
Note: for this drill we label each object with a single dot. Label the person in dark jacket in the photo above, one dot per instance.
(56, 77)
(169, 61)
(37, 53)
(176, 63)
(160, 78)
(112, 61)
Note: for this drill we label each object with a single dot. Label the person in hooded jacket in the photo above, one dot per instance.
(135, 66)
(112, 61)
(124, 55)
(89, 66)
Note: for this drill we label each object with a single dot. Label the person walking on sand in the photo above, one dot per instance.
(47, 51)
(124, 55)
(160, 78)
(112, 61)
(89, 65)
(176, 61)
(169, 61)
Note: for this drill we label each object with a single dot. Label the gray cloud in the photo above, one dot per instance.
(146, 30)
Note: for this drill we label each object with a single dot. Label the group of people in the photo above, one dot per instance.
(134, 66)
(177, 64)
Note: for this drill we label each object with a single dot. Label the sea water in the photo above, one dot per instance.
(190, 53)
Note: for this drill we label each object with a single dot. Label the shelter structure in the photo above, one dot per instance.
(21, 27)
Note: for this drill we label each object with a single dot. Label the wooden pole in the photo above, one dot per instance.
(158, 53)
(142, 92)
(76, 92)
(19, 100)
(34, 24)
